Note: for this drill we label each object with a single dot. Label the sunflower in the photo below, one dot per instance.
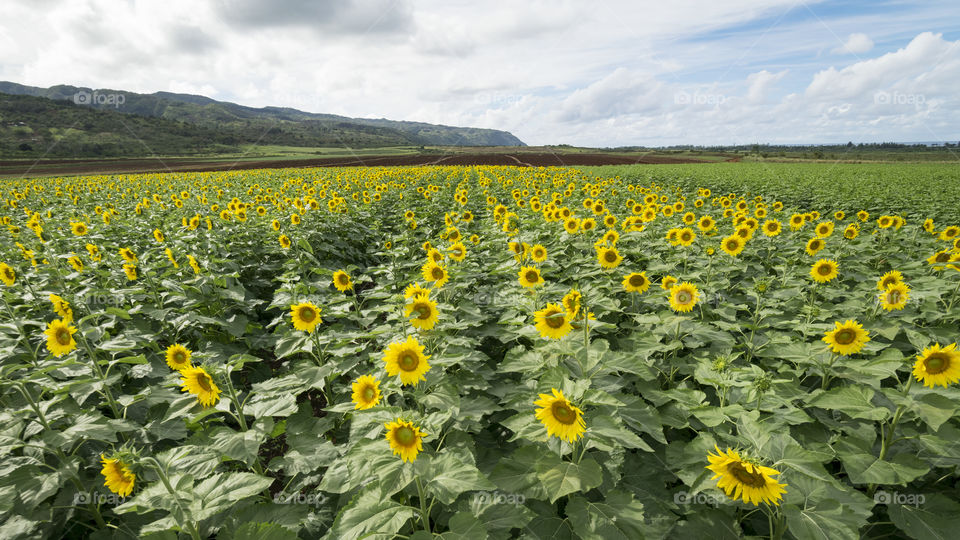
(405, 439)
(732, 245)
(938, 365)
(895, 297)
(636, 282)
(62, 308)
(706, 224)
(890, 278)
(851, 232)
(79, 228)
(341, 280)
(797, 221)
(668, 282)
(823, 270)
(772, 227)
(305, 316)
(158, 236)
(366, 392)
(193, 264)
(863, 215)
(415, 290)
(742, 479)
(199, 383)
(561, 418)
(553, 321)
(538, 253)
(609, 257)
(458, 251)
(60, 337)
(7, 274)
(847, 338)
(530, 277)
(284, 241)
(406, 358)
(824, 229)
(76, 263)
(949, 233)
(686, 236)
(571, 225)
(683, 297)
(435, 273)
(128, 255)
(423, 312)
(178, 357)
(571, 302)
(939, 258)
(118, 476)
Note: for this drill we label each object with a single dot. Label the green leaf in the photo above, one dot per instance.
(865, 468)
(618, 516)
(464, 526)
(565, 478)
(936, 518)
(219, 492)
(934, 409)
(448, 475)
(828, 520)
(854, 401)
(370, 516)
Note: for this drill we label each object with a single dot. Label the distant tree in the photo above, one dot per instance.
(24, 147)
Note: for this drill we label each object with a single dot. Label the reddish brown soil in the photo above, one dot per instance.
(63, 167)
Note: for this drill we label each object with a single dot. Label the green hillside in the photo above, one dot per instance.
(237, 124)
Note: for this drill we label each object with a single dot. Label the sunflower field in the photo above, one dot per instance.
(482, 352)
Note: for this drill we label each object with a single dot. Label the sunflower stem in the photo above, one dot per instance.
(181, 515)
(887, 432)
(424, 511)
(96, 367)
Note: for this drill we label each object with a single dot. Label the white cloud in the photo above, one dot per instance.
(611, 73)
(856, 44)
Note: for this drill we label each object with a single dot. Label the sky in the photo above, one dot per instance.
(590, 73)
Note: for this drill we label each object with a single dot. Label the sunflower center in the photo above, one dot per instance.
(936, 363)
(409, 361)
(203, 381)
(405, 436)
(554, 320)
(637, 281)
(532, 276)
(610, 256)
(683, 297)
(893, 296)
(63, 336)
(824, 270)
(685, 237)
(437, 273)
(423, 311)
(179, 357)
(732, 244)
(943, 257)
(343, 279)
(845, 337)
(562, 413)
(9, 273)
(752, 479)
(889, 281)
(369, 393)
(307, 314)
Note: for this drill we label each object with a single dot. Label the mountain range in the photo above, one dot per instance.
(70, 121)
